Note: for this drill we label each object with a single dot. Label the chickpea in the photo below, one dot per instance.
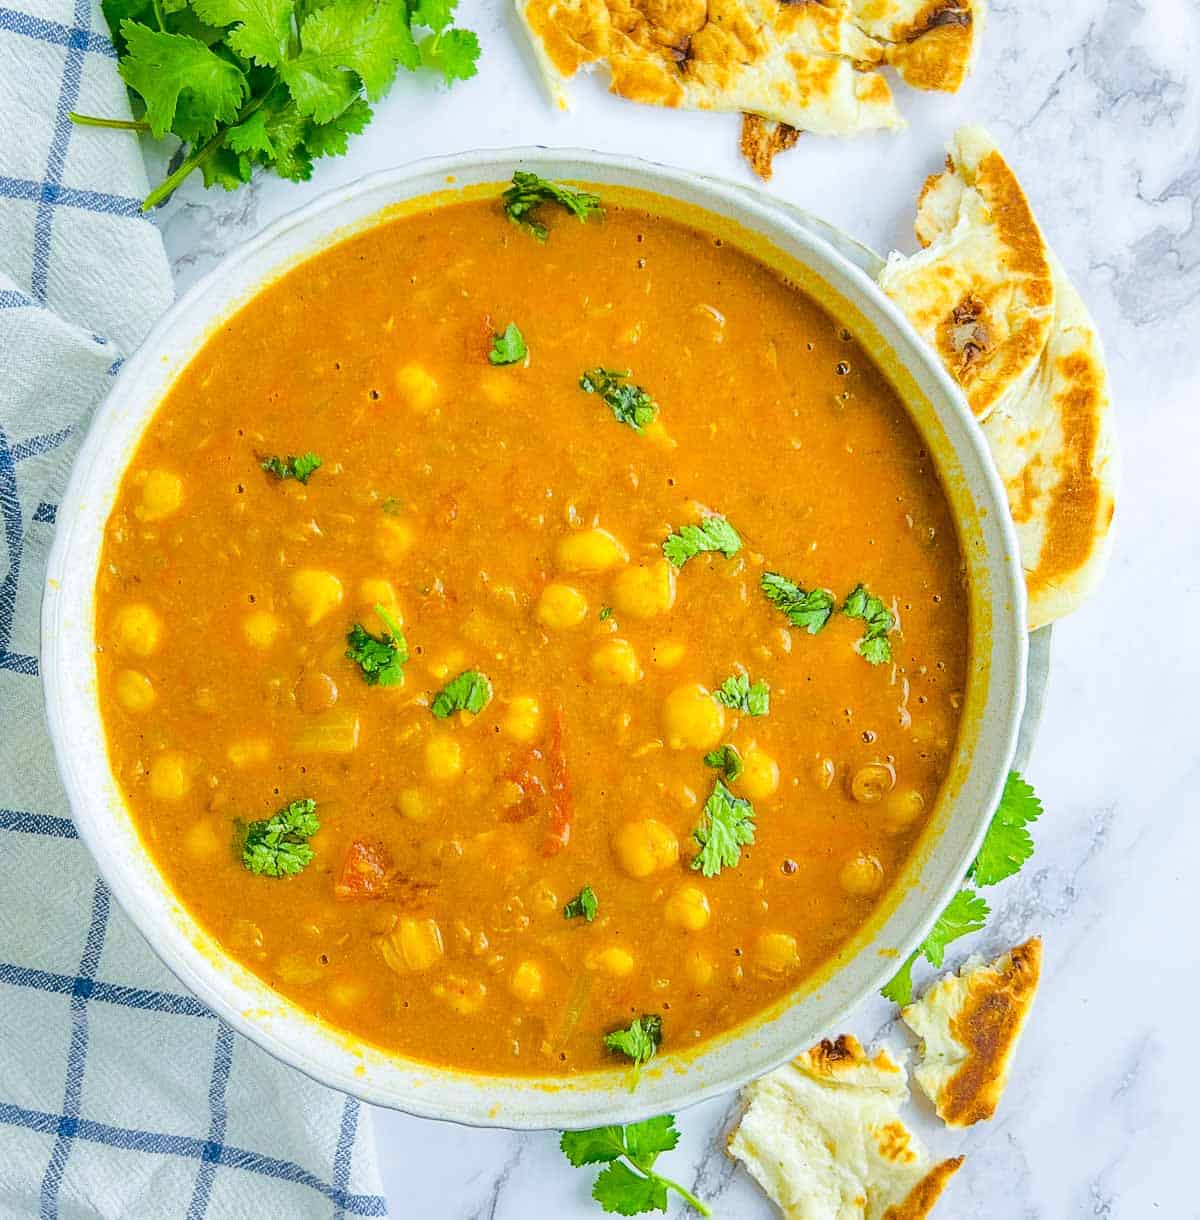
(443, 759)
(527, 983)
(666, 654)
(137, 629)
(522, 719)
(413, 804)
(170, 776)
(315, 593)
(162, 494)
(615, 663)
(464, 996)
(594, 550)
(253, 751)
(419, 942)
(645, 590)
(346, 993)
(394, 538)
(871, 783)
(417, 387)
(699, 968)
(904, 807)
(777, 952)
(861, 876)
(688, 908)
(135, 692)
(692, 718)
(646, 846)
(616, 962)
(561, 606)
(260, 627)
(374, 591)
(201, 839)
(760, 774)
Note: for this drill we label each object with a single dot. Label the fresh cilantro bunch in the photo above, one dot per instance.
(271, 83)
(629, 1186)
(712, 534)
(528, 192)
(809, 610)
(277, 846)
(966, 913)
(727, 825)
(740, 694)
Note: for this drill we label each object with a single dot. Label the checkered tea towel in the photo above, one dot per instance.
(120, 1095)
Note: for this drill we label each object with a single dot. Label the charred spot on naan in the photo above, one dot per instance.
(762, 139)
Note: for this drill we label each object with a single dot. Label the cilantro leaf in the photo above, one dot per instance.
(725, 759)
(275, 846)
(470, 692)
(508, 346)
(873, 646)
(584, 905)
(712, 534)
(333, 138)
(528, 192)
(380, 657)
(300, 468)
(629, 1186)
(605, 613)
(738, 693)
(809, 611)
(261, 27)
(727, 825)
(176, 71)
(639, 1041)
(966, 913)
(1007, 844)
(629, 403)
(453, 53)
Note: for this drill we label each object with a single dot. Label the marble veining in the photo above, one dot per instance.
(1097, 104)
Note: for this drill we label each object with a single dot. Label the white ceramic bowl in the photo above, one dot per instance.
(806, 252)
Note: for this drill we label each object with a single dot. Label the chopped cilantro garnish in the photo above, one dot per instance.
(271, 83)
(809, 610)
(470, 692)
(629, 1186)
(276, 846)
(508, 346)
(639, 1042)
(629, 403)
(380, 657)
(873, 645)
(738, 693)
(605, 613)
(300, 468)
(966, 913)
(727, 824)
(528, 192)
(583, 906)
(1007, 844)
(712, 534)
(725, 759)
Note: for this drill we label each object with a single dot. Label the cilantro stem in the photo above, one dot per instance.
(167, 186)
(89, 120)
(686, 1195)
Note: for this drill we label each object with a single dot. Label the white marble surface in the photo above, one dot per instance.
(1098, 106)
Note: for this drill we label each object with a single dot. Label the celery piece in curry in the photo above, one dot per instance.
(873, 645)
(508, 346)
(639, 1042)
(808, 609)
(712, 534)
(628, 1185)
(629, 403)
(470, 692)
(277, 846)
(584, 905)
(726, 826)
(742, 695)
(528, 192)
(380, 657)
(300, 468)
(725, 759)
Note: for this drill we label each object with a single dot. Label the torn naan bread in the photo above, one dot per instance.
(811, 65)
(762, 139)
(822, 1136)
(969, 1024)
(989, 296)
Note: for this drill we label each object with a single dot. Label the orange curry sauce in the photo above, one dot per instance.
(496, 512)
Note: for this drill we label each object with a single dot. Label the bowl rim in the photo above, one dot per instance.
(337, 1060)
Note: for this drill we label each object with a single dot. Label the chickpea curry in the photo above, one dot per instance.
(525, 643)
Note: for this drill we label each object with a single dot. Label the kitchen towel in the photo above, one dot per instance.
(121, 1096)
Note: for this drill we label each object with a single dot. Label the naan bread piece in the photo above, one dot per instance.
(932, 44)
(822, 1136)
(981, 293)
(991, 298)
(804, 64)
(969, 1024)
(762, 139)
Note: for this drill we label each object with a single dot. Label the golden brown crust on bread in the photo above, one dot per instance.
(762, 139)
(926, 1193)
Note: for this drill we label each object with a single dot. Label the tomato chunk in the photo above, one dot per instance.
(562, 810)
(367, 871)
